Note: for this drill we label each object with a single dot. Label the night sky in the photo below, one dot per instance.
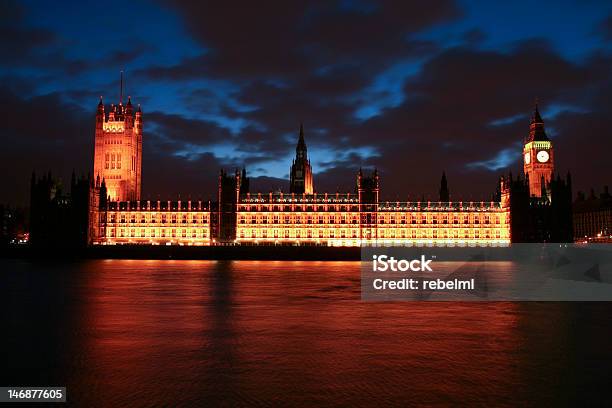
(410, 87)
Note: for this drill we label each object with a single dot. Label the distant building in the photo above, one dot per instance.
(593, 217)
(59, 219)
(13, 228)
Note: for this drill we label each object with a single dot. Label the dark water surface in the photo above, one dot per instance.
(184, 333)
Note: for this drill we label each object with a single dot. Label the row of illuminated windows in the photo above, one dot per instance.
(163, 218)
(442, 233)
(353, 218)
(297, 233)
(298, 207)
(157, 233)
(113, 141)
(112, 161)
(434, 218)
(354, 233)
(299, 219)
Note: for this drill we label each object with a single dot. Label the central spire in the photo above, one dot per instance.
(301, 143)
(301, 171)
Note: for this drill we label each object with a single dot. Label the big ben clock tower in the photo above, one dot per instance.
(538, 156)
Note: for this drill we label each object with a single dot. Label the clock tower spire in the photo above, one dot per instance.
(538, 156)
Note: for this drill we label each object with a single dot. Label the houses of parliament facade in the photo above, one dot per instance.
(533, 207)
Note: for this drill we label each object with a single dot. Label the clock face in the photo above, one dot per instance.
(527, 158)
(543, 156)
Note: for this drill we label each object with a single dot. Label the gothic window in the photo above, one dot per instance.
(106, 161)
(118, 161)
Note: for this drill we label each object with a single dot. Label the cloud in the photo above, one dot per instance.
(370, 90)
(605, 28)
(280, 39)
(39, 134)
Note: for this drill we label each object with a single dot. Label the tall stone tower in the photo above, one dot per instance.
(301, 171)
(118, 149)
(538, 157)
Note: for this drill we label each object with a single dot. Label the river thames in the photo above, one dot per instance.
(227, 333)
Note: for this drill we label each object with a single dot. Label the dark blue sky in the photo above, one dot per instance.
(411, 87)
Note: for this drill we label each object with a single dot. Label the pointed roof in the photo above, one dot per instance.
(536, 118)
(301, 143)
(536, 127)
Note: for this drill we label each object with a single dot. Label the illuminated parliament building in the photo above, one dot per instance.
(531, 207)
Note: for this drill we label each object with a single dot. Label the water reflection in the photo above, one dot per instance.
(238, 332)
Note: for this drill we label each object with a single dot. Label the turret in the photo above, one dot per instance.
(444, 192)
